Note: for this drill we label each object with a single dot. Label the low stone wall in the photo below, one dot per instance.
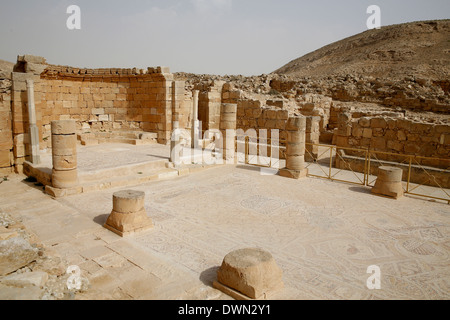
(396, 135)
(251, 114)
(421, 175)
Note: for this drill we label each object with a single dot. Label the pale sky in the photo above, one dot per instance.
(248, 37)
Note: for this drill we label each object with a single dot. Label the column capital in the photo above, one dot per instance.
(30, 83)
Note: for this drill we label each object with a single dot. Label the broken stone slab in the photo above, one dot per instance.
(249, 273)
(15, 253)
(38, 279)
(14, 293)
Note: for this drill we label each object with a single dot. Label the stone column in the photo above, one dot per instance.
(295, 149)
(34, 131)
(248, 274)
(312, 138)
(228, 121)
(128, 215)
(64, 154)
(175, 143)
(195, 122)
(389, 182)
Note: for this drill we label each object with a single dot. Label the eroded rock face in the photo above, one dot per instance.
(15, 253)
(253, 272)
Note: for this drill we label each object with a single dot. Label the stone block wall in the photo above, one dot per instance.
(6, 136)
(317, 106)
(98, 99)
(209, 103)
(230, 94)
(251, 114)
(109, 99)
(396, 135)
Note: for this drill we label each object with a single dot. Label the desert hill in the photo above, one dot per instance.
(416, 49)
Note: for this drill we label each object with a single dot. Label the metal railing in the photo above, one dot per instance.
(264, 159)
(359, 166)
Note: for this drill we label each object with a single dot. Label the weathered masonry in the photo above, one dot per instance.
(101, 101)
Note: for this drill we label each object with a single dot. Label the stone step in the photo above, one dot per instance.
(127, 137)
(144, 168)
(129, 180)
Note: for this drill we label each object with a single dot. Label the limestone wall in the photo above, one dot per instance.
(251, 114)
(210, 100)
(6, 137)
(396, 135)
(108, 99)
(100, 100)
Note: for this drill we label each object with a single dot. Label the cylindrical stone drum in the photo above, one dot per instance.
(128, 215)
(252, 272)
(296, 123)
(64, 154)
(64, 179)
(128, 201)
(63, 127)
(295, 149)
(225, 125)
(390, 174)
(296, 137)
(64, 163)
(64, 145)
(295, 145)
(389, 182)
(295, 163)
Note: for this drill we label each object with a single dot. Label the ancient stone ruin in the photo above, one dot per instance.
(390, 137)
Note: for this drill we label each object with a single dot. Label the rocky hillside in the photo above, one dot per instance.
(416, 49)
(5, 69)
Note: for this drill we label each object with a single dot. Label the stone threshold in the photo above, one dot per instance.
(124, 176)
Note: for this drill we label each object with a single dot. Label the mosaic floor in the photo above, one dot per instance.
(324, 235)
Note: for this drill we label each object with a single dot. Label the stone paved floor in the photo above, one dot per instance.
(322, 234)
(112, 155)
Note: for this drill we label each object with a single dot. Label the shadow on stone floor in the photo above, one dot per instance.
(33, 183)
(101, 219)
(248, 167)
(361, 189)
(209, 276)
